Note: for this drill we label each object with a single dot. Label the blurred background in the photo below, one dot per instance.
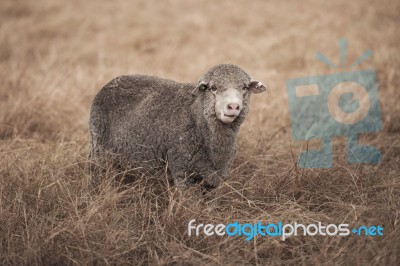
(60, 54)
(56, 55)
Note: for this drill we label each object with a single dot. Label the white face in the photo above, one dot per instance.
(228, 105)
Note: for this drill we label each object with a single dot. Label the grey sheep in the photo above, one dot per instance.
(145, 121)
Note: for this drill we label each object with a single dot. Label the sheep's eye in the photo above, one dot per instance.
(203, 87)
(213, 88)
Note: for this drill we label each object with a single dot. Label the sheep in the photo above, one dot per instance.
(189, 128)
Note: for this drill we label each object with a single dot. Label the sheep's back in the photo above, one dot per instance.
(140, 115)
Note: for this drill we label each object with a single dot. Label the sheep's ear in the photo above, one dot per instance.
(202, 86)
(256, 87)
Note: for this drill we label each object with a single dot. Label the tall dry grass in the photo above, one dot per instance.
(54, 57)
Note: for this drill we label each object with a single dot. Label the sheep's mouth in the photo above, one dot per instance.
(227, 119)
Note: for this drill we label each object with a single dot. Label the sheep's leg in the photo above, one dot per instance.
(213, 181)
(190, 169)
(180, 178)
(93, 167)
(187, 178)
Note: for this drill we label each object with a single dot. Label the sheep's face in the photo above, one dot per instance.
(227, 90)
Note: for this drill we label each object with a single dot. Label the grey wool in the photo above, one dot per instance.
(189, 128)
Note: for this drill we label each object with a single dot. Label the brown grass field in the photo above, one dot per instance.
(56, 55)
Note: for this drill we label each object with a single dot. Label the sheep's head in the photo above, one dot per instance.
(226, 90)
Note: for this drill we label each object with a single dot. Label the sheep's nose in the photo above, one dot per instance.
(233, 106)
(232, 109)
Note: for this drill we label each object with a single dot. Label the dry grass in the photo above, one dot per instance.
(54, 57)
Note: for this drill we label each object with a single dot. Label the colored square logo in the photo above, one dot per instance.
(344, 104)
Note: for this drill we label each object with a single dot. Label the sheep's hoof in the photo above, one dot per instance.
(196, 179)
(206, 185)
(209, 186)
(212, 182)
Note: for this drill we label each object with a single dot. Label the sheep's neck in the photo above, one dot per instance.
(219, 138)
(221, 143)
